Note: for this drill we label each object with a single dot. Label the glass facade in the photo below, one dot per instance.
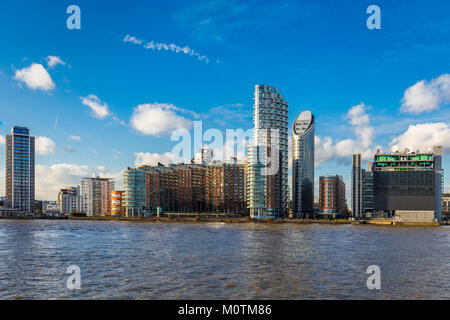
(134, 192)
(268, 158)
(404, 190)
(20, 166)
(367, 192)
(411, 182)
(356, 186)
(303, 165)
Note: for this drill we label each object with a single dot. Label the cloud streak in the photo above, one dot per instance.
(100, 110)
(53, 61)
(161, 46)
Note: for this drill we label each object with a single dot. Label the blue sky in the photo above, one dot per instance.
(367, 88)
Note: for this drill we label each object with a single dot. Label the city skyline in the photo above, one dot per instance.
(92, 113)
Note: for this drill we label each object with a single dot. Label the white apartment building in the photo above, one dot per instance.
(96, 196)
(69, 200)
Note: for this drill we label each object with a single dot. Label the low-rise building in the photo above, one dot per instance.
(446, 205)
(69, 200)
(332, 198)
(117, 205)
(51, 208)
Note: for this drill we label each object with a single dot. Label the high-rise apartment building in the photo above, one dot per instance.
(303, 165)
(267, 161)
(332, 198)
(96, 196)
(408, 185)
(20, 170)
(357, 196)
(69, 200)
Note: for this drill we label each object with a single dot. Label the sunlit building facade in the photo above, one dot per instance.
(332, 198)
(117, 205)
(216, 187)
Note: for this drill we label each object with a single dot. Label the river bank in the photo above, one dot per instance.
(209, 219)
(193, 218)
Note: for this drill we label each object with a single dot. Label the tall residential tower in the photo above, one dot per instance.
(20, 170)
(267, 167)
(303, 165)
(356, 186)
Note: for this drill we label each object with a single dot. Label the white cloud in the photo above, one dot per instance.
(427, 96)
(152, 45)
(423, 137)
(53, 61)
(152, 159)
(99, 110)
(45, 146)
(75, 138)
(49, 179)
(324, 150)
(35, 77)
(364, 134)
(158, 118)
(358, 116)
(2, 140)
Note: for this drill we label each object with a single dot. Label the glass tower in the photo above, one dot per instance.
(20, 170)
(357, 193)
(303, 165)
(268, 156)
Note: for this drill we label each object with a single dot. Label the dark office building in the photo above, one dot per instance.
(367, 192)
(408, 185)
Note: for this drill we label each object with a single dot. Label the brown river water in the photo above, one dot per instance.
(130, 260)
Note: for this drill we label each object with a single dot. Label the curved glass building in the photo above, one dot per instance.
(303, 165)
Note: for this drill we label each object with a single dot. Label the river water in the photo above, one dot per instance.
(130, 260)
